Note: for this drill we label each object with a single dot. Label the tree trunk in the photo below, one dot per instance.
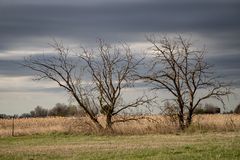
(181, 115)
(89, 114)
(189, 118)
(181, 120)
(109, 123)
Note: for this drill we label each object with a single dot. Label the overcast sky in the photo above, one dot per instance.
(26, 26)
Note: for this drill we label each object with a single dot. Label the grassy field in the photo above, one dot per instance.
(150, 125)
(220, 146)
(154, 137)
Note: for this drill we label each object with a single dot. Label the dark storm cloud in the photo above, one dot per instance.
(226, 61)
(30, 90)
(12, 68)
(122, 20)
(227, 67)
(125, 17)
(28, 23)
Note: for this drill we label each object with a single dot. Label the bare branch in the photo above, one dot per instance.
(182, 70)
(112, 68)
(62, 69)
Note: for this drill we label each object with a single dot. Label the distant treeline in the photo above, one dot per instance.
(211, 109)
(207, 109)
(59, 109)
(64, 110)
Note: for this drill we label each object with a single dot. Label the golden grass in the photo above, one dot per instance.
(28, 126)
(149, 125)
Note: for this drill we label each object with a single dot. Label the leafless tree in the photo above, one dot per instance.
(66, 72)
(182, 70)
(112, 68)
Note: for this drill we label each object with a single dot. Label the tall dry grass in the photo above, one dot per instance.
(28, 126)
(146, 125)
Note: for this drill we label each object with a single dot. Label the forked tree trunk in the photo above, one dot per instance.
(89, 113)
(109, 123)
(181, 117)
(181, 121)
(189, 118)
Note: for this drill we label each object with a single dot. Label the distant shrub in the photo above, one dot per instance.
(39, 112)
(228, 112)
(211, 109)
(25, 115)
(63, 110)
(199, 110)
(207, 109)
(4, 116)
(59, 110)
(237, 109)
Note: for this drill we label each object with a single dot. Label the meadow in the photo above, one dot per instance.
(220, 146)
(151, 137)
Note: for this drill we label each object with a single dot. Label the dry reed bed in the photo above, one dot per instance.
(150, 124)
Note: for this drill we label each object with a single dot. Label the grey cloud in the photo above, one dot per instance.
(226, 61)
(31, 90)
(226, 66)
(122, 20)
(25, 23)
(12, 68)
(143, 17)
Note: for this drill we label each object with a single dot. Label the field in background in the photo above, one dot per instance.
(148, 125)
(204, 146)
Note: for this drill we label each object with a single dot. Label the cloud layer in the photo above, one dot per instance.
(26, 26)
(24, 20)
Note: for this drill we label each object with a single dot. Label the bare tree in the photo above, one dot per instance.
(182, 70)
(66, 72)
(112, 68)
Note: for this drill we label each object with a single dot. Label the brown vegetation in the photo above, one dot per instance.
(144, 125)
